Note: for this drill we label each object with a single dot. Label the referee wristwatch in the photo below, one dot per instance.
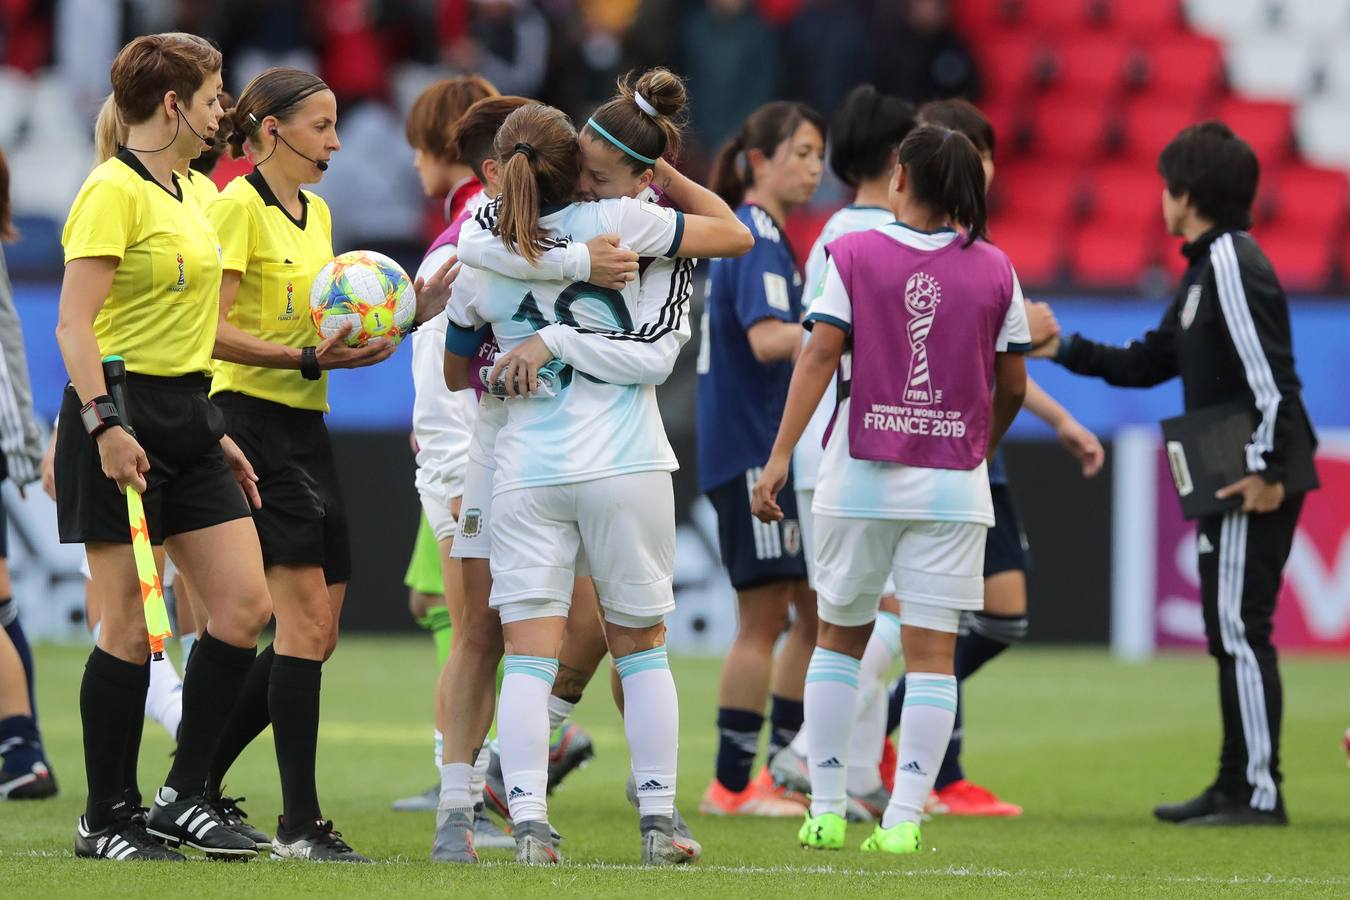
(98, 415)
(309, 364)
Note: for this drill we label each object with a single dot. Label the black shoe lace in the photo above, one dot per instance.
(331, 837)
(134, 833)
(228, 808)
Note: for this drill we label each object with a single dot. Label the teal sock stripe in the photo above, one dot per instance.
(541, 667)
(642, 661)
(931, 690)
(828, 665)
(887, 628)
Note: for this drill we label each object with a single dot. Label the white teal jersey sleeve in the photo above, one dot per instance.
(806, 458)
(592, 428)
(442, 419)
(647, 354)
(867, 489)
(562, 260)
(1015, 335)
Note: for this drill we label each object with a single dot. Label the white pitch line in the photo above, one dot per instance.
(949, 872)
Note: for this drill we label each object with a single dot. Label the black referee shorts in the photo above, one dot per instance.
(1005, 546)
(757, 553)
(189, 486)
(303, 521)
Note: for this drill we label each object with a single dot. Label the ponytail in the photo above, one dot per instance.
(109, 132)
(536, 148)
(765, 130)
(945, 173)
(726, 180)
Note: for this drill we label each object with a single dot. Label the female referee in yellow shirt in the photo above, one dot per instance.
(142, 281)
(275, 237)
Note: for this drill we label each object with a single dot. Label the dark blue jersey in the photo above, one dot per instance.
(741, 400)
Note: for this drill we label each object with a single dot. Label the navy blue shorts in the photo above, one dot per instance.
(756, 553)
(1005, 547)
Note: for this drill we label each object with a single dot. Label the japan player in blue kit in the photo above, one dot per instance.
(751, 334)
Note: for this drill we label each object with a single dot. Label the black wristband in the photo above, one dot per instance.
(309, 364)
(98, 415)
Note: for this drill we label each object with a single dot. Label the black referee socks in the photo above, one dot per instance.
(214, 679)
(112, 707)
(293, 698)
(245, 722)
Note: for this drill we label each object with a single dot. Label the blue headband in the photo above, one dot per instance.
(618, 143)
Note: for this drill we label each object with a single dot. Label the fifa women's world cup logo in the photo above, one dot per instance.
(922, 295)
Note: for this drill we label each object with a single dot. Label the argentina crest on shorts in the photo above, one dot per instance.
(473, 522)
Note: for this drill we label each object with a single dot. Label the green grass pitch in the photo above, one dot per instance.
(1087, 744)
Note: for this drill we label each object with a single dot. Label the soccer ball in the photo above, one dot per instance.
(368, 290)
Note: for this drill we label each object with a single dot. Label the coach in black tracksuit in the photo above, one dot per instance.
(1227, 335)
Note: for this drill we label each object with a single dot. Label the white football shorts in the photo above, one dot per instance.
(936, 566)
(624, 526)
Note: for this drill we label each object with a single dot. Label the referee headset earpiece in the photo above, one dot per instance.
(208, 141)
(176, 128)
(318, 163)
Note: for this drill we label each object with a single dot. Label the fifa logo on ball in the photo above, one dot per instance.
(922, 295)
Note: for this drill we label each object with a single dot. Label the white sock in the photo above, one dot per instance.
(799, 743)
(559, 711)
(438, 743)
(651, 720)
(479, 776)
(523, 735)
(164, 700)
(455, 789)
(925, 728)
(864, 748)
(831, 701)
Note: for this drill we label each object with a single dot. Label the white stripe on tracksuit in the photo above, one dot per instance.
(1247, 672)
(1238, 315)
(768, 540)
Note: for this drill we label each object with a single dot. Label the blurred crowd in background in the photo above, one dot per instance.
(378, 54)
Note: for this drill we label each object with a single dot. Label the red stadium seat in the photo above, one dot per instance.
(1071, 129)
(1056, 15)
(1149, 123)
(1035, 247)
(1124, 195)
(1267, 126)
(1094, 65)
(1112, 257)
(1049, 193)
(1184, 68)
(1150, 18)
(1303, 259)
(1309, 199)
(1011, 63)
(980, 18)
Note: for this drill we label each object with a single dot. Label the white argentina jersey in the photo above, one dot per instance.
(810, 449)
(592, 429)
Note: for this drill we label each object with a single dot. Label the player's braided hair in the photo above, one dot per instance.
(536, 148)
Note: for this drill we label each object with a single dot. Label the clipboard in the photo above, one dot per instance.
(1206, 451)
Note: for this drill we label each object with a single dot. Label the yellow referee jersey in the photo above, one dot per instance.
(161, 313)
(278, 257)
(203, 187)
